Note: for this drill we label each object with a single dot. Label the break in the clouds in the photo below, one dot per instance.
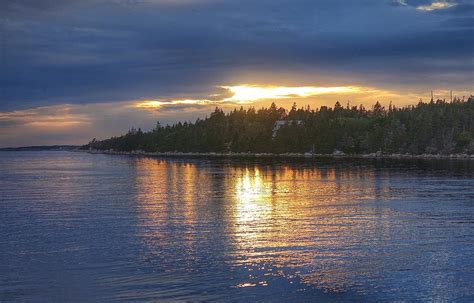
(428, 5)
(84, 53)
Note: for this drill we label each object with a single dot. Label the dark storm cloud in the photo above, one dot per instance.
(57, 52)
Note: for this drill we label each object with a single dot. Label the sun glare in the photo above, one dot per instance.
(251, 93)
(247, 93)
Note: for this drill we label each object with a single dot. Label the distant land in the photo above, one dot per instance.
(41, 148)
(433, 128)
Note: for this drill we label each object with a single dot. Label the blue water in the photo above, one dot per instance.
(76, 227)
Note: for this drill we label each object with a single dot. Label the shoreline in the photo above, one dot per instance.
(284, 155)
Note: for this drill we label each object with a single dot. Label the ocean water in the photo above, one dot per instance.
(76, 227)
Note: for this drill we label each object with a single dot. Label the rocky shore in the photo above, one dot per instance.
(336, 154)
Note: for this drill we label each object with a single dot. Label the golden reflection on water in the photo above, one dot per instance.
(166, 194)
(279, 220)
(251, 197)
(303, 219)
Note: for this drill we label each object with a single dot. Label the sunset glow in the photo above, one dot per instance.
(217, 150)
(158, 104)
(243, 94)
(173, 60)
(246, 93)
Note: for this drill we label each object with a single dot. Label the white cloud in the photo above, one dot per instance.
(437, 5)
(401, 2)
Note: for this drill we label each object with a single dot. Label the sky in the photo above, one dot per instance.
(74, 70)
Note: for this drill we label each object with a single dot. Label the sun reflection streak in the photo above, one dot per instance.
(274, 222)
(251, 195)
(268, 230)
(159, 185)
(249, 187)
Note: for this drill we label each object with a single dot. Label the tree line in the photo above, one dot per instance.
(436, 127)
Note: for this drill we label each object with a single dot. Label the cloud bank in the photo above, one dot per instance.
(84, 53)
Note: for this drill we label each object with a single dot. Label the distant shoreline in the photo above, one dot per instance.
(284, 155)
(73, 148)
(42, 148)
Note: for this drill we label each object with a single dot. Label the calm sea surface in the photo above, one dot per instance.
(76, 227)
